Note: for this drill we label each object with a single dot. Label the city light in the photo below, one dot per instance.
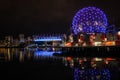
(118, 32)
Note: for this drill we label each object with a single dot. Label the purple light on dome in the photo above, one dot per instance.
(89, 20)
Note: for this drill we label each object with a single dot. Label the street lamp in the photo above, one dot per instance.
(118, 35)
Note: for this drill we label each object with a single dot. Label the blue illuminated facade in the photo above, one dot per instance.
(89, 20)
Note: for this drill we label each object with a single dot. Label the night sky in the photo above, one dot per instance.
(48, 16)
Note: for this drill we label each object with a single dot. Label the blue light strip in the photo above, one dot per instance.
(48, 39)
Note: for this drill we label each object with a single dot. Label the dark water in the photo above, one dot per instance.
(42, 65)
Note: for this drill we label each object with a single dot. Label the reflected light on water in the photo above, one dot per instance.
(44, 53)
(83, 68)
(21, 57)
(8, 52)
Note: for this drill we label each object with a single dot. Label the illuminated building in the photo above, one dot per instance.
(89, 20)
(9, 40)
(71, 38)
(21, 38)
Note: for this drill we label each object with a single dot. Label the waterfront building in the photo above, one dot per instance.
(21, 38)
(8, 40)
(29, 40)
(110, 36)
(16, 42)
(80, 39)
(71, 38)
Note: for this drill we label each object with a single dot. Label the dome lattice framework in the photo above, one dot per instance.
(89, 20)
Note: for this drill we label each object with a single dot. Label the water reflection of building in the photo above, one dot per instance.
(15, 54)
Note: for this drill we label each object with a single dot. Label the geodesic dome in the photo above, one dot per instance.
(89, 20)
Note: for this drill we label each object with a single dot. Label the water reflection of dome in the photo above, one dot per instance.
(93, 68)
(91, 74)
(89, 20)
